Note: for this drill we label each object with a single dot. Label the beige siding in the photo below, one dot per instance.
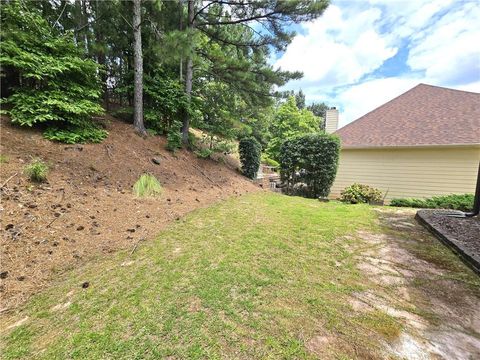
(420, 172)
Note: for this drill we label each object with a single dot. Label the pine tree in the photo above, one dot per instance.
(219, 22)
(138, 65)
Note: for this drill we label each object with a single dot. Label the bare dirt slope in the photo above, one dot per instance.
(87, 209)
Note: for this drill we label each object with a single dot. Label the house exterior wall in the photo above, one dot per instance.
(410, 172)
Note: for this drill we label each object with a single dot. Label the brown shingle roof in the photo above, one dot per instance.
(424, 115)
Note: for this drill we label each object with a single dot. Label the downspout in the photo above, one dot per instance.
(476, 201)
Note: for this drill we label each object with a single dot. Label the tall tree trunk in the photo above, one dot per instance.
(188, 75)
(101, 56)
(180, 3)
(138, 70)
(87, 27)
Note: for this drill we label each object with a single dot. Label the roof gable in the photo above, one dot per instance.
(424, 115)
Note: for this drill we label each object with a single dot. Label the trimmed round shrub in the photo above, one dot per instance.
(308, 164)
(359, 193)
(250, 153)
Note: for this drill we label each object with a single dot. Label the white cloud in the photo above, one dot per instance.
(340, 52)
(448, 51)
(336, 50)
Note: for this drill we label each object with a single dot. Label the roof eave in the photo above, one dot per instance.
(428, 146)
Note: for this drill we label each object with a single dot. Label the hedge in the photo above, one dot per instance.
(308, 164)
(250, 153)
(463, 202)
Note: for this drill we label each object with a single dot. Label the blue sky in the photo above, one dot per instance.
(360, 54)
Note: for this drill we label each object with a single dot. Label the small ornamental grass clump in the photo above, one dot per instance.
(37, 171)
(359, 193)
(147, 185)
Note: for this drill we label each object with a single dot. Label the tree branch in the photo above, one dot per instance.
(61, 13)
(239, 21)
(214, 37)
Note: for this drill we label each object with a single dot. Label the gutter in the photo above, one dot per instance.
(476, 201)
(426, 146)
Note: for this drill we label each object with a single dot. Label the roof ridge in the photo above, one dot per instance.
(445, 88)
(379, 107)
(424, 114)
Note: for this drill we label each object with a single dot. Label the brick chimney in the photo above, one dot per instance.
(331, 120)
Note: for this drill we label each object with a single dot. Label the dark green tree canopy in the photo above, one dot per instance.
(79, 54)
(49, 81)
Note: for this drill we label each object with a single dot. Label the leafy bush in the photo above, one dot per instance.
(174, 137)
(290, 121)
(37, 170)
(462, 202)
(359, 193)
(250, 152)
(225, 147)
(204, 153)
(270, 162)
(147, 185)
(165, 101)
(88, 133)
(124, 114)
(50, 81)
(309, 163)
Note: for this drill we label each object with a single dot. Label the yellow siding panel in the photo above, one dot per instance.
(411, 172)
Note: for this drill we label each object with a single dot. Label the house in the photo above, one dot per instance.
(423, 143)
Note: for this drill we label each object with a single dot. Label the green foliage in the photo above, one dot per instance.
(308, 164)
(290, 121)
(211, 144)
(3, 159)
(55, 84)
(165, 101)
(217, 109)
(36, 170)
(358, 193)
(125, 114)
(250, 153)
(270, 162)
(224, 146)
(147, 185)
(204, 153)
(174, 137)
(86, 133)
(463, 202)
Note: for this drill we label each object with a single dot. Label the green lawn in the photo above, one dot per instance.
(259, 276)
